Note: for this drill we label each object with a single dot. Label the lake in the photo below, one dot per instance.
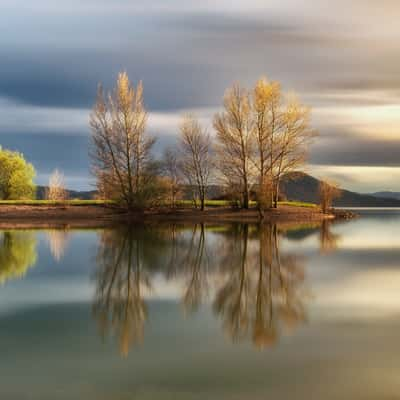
(231, 311)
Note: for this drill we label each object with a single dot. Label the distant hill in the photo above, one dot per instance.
(296, 186)
(303, 187)
(72, 194)
(387, 195)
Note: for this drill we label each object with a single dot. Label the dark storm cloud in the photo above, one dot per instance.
(184, 60)
(70, 79)
(48, 151)
(350, 150)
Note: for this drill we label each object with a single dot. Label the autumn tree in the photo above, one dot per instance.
(195, 145)
(293, 142)
(121, 150)
(16, 177)
(235, 140)
(57, 190)
(328, 192)
(283, 134)
(266, 102)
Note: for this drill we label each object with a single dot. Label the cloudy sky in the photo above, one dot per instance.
(342, 58)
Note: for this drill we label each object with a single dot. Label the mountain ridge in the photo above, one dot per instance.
(297, 186)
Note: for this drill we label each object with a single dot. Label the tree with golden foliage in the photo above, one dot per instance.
(328, 192)
(262, 135)
(235, 141)
(196, 164)
(57, 190)
(121, 150)
(266, 103)
(283, 134)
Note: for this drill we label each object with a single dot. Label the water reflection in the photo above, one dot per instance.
(17, 254)
(58, 242)
(262, 290)
(329, 241)
(256, 291)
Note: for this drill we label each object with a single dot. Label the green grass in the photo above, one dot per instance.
(297, 204)
(182, 203)
(227, 203)
(53, 203)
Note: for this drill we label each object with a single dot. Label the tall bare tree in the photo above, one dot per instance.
(121, 150)
(282, 129)
(195, 144)
(235, 140)
(294, 141)
(268, 121)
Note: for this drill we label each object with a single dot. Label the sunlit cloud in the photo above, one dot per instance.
(362, 178)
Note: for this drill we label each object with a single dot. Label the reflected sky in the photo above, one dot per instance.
(228, 310)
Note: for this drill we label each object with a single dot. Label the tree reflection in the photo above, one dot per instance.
(262, 292)
(58, 241)
(257, 291)
(17, 254)
(329, 241)
(122, 279)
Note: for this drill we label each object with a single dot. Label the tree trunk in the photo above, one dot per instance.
(246, 195)
(276, 194)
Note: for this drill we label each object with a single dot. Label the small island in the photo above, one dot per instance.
(236, 173)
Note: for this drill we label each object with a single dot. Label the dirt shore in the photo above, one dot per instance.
(100, 216)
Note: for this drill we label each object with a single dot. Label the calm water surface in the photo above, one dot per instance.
(202, 312)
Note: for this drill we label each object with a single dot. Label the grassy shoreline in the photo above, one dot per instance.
(95, 213)
(180, 203)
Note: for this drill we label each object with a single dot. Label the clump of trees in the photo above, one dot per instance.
(57, 190)
(16, 177)
(261, 134)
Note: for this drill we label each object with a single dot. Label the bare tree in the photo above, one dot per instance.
(121, 150)
(235, 140)
(283, 133)
(195, 144)
(172, 171)
(57, 190)
(266, 104)
(327, 193)
(294, 141)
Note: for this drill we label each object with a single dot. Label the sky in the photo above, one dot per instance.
(341, 57)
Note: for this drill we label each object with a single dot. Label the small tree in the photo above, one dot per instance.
(195, 144)
(327, 193)
(235, 140)
(57, 190)
(172, 171)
